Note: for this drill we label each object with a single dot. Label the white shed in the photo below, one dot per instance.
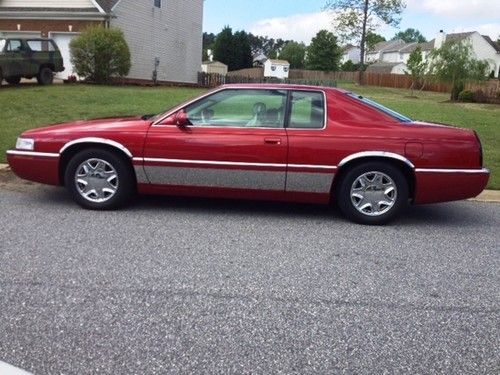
(214, 67)
(276, 68)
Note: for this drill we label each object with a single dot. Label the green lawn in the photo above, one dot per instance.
(31, 106)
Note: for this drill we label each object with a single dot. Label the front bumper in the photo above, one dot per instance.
(35, 166)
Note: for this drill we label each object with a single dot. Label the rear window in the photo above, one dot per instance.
(41, 45)
(380, 107)
(308, 110)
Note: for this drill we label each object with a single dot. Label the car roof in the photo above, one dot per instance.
(281, 86)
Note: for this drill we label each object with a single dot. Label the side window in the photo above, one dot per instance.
(35, 45)
(14, 46)
(308, 110)
(157, 3)
(2, 44)
(240, 108)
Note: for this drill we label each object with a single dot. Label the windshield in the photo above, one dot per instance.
(380, 107)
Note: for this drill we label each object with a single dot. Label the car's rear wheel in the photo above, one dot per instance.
(45, 76)
(372, 193)
(99, 179)
(13, 80)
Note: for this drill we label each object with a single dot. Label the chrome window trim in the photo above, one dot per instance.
(33, 153)
(233, 163)
(222, 88)
(108, 142)
(382, 154)
(446, 170)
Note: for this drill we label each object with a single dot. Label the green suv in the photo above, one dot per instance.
(29, 58)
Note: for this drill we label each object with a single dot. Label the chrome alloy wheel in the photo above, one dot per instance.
(373, 193)
(96, 180)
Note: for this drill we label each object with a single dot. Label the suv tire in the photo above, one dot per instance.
(45, 76)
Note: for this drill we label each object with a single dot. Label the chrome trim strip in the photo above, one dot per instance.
(306, 182)
(211, 162)
(382, 154)
(312, 166)
(33, 153)
(216, 178)
(439, 170)
(97, 140)
(233, 163)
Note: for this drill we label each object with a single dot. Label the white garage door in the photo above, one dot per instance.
(62, 40)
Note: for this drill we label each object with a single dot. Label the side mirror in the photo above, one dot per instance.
(181, 119)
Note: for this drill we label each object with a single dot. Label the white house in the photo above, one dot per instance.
(397, 52)
(376, 52)
(163, 35)
(276, 68)
(352, 53)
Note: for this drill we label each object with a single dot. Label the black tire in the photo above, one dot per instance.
(390, 179)
(13, 80)
(124, 184)
(1, 77)
(45, 76)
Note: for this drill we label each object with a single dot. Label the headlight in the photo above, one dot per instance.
(25, 144)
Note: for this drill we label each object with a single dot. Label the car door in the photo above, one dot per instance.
(14, 60)
(233, 141)
(310, 169)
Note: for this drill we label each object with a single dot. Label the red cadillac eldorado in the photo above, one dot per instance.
(268, 142)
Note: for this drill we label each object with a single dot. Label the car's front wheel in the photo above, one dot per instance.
(45, 76)
(372, 193)
(99, 179)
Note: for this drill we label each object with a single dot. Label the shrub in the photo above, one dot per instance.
(456, 90)
(466, 96)
(99, 53)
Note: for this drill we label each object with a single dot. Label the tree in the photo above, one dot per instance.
(372, 39)
(208, 44)
(324, 53)
(223, 47)
(455, 63)
(411, 36)
(295, 54)
(242, 51)
(348, 66)
(99, 53)
(233, 50)
(417, 68)
(355, 18)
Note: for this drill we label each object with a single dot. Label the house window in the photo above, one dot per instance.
(285, 69)
(157, 3)
(273, 68)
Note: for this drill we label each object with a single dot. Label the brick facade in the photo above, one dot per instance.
(45, 26)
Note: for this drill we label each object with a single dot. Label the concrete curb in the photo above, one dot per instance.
(485, 196)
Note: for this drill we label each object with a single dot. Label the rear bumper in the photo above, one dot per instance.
(444, 185)
(35, 166)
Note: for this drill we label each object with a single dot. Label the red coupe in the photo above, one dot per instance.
(269, 142)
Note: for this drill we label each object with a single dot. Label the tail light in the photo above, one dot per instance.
(480, 149)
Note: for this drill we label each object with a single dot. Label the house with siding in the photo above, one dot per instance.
(393, 55)
(163, 35)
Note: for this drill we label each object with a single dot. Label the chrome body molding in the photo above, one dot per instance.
(233, 163)
(442, 170)
(303, 182)
(216, 178)
(382, 154)
(97, 140)
(32, 153)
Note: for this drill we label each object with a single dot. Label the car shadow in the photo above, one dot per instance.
(451, 214)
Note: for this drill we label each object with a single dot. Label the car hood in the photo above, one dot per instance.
(128, 124)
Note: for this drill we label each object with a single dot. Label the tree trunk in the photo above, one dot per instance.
(363, 43)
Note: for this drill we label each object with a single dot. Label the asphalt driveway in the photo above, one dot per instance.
(198, 286)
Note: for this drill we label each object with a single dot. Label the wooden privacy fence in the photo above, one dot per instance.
(490, 89)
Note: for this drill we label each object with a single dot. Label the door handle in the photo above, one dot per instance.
(272, 141)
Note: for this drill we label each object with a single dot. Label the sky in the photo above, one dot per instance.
(301, 19)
